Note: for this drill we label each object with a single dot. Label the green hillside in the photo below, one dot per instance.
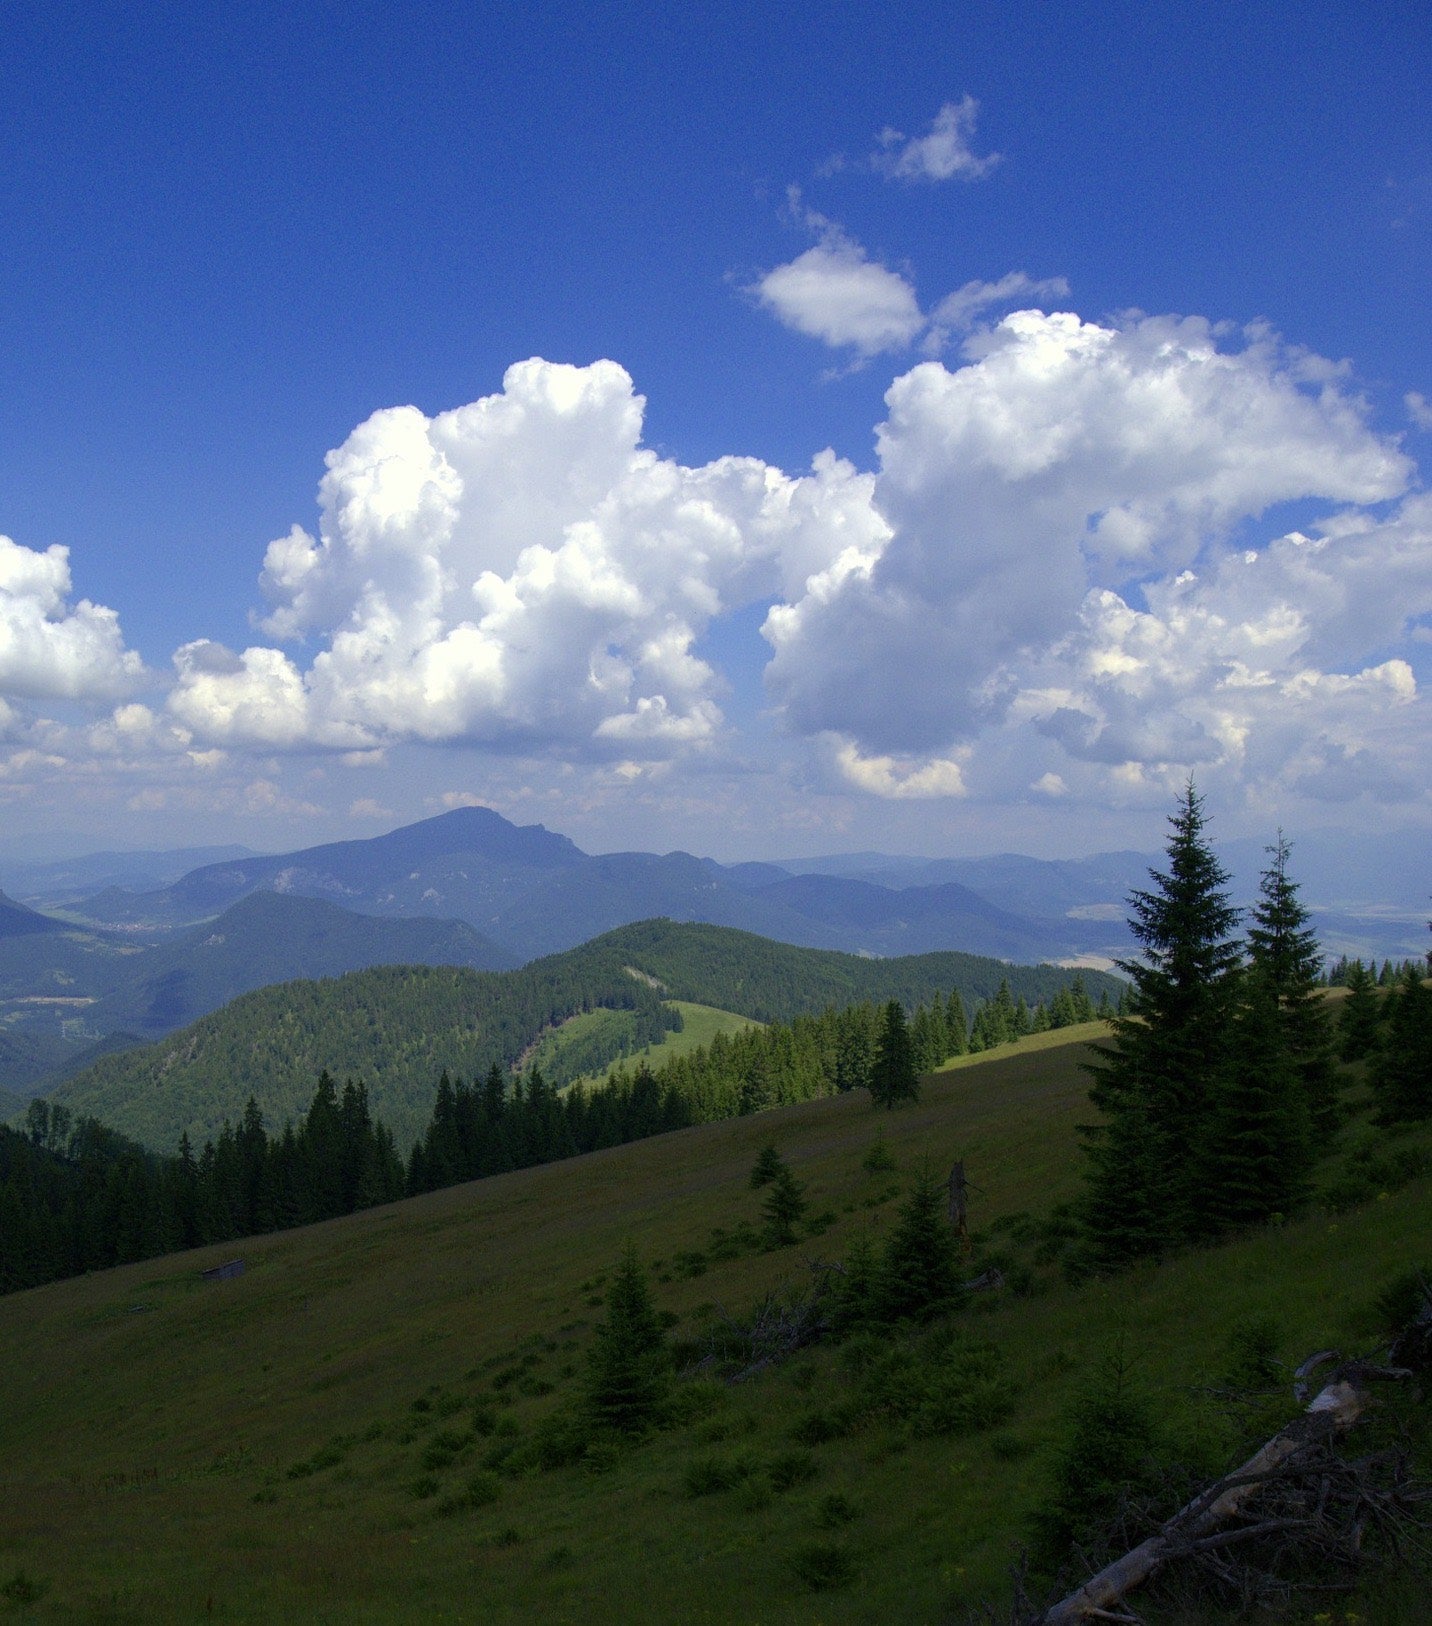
(772, 982)
(26, 1057)
(559, 1052)
(308, 1442)
(398, 1028)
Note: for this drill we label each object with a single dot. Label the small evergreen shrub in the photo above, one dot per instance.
(563, 1437)
(826, 1423)
(789, 1469)
(835, 1511)
(444, 1448)
(481, 1490)
(22, 1589)
(600, 1457)
(1402, 1299)
(424, 1486)
(706, 1476)
(1109, 1454)
(695, 1399)
(1250, 1355)
(877, 1159)
(823, 1567)
(967, 1392)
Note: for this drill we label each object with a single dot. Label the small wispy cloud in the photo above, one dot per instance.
(943, 153)
(1419, 408)
(960, 310)
(837, 293)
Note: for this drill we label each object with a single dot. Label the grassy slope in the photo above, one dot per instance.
(143, 1399)
(701, 1024)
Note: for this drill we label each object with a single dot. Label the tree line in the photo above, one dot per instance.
(857, 1046)
(75, 1196)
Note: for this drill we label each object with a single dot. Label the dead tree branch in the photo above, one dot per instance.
(1296, 1461)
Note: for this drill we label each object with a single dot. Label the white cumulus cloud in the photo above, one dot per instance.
(835, 293)
(51, 649)
(1057, 510)
(518, 572)
(960, 309)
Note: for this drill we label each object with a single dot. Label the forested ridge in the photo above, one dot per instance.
(75, 1195)
(399, 1028)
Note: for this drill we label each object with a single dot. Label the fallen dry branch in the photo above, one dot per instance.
(1306, 1494)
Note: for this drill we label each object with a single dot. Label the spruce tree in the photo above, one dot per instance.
(893, 1078)
(918, 1272)
(1284, 952)
(1358, 1019)
(767, 1166)
(1401, 1071)
(957, 1025)
(1256, 1151)
(784, 1207)
(628, 1362)
(1154, 1077)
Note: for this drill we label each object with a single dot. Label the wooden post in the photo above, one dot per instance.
(959, 1213)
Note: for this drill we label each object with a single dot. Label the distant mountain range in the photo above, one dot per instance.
(533, 892)
(469, 888)
(68, 994)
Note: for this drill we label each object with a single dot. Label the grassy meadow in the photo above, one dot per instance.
(331, 1436)
(700, 1025)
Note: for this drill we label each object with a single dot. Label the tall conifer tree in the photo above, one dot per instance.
(1284, 951)
(893, 1077)
(1154, 1078)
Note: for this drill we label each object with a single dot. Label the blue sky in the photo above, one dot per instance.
(1007, 412)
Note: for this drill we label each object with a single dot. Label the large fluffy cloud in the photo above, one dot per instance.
(1049, 581)
(518, 572)
(1057, 508)
(51, 649)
